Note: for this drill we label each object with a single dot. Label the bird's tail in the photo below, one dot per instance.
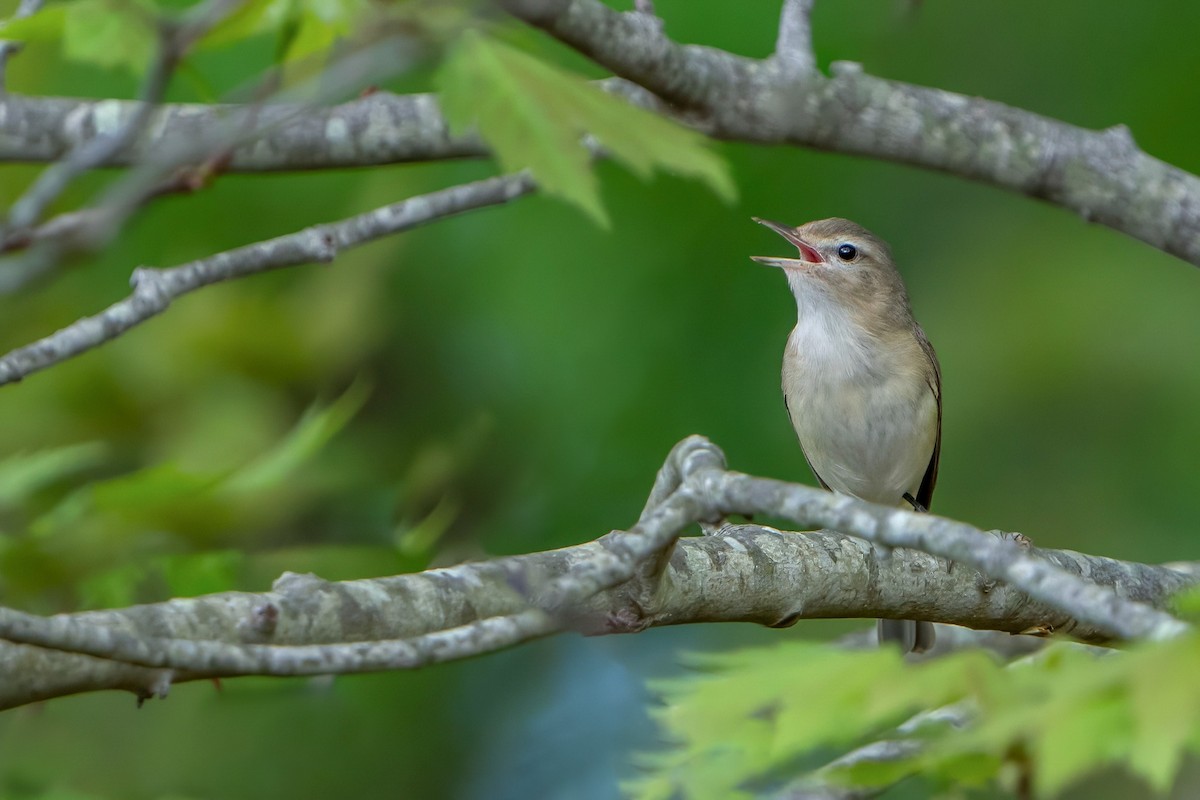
(911, 635)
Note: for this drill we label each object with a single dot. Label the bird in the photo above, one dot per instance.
(861, 382)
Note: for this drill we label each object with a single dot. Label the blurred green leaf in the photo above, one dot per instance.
(420, 538)
(1186, 604)
(316, 428)
(113, 588)
(250, 18)
(194, 574)
(22, 475)
(111, 33)
(45, 25)
(307, 29)
(1092, 732)
(534, 116)
(1066, 711)
(104, 537)
(162, 486)
(1165, 705)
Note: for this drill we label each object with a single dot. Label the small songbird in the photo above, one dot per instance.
(861, 382)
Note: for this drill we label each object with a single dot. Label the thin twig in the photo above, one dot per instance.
(155, 289)
(59, 236)
(187, 163)
(26, 8)
(1101, 175)
(794, 45)
(228, 659)
(173, 41)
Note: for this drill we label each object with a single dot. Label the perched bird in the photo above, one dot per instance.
(861, 382)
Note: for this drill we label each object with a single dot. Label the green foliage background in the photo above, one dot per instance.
(510, 380)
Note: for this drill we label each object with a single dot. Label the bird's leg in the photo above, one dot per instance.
(920, 509)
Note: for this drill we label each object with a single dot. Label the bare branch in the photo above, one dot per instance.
(183, 164)
(996, 557)
(155, 289)
(747, 573)
(380, 128)
(205, 657)
(610, 565)
(794, 45)
(173, 43)
(1100, 175)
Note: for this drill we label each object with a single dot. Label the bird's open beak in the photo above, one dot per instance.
(808, 254)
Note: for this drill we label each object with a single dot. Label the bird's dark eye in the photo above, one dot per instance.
(847, 252)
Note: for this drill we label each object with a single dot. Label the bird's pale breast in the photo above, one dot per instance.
(866, 419)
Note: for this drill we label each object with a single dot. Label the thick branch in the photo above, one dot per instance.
(174, 39)
(1102, 176)
(380, 128)
(1114, 613)
(747, 573)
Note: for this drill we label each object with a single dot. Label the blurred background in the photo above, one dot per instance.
(510, 381)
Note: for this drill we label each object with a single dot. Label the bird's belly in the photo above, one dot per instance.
(874, 443)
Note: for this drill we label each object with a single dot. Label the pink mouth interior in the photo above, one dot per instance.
(807, 252)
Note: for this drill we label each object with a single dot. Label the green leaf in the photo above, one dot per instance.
(141, 494)
(1165, 704)
(193, 574)
(46, 25)
(311, 433)
(871, 773)
(110, 33)
(106, 33)
(22, 475)
(1073, 743)
(420, 539)
(310, 28)
(534, 115)
(1062, 714)
(112, 588)
(250, 18)
(1187, 604)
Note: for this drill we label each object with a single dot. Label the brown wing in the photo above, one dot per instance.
(808, 461)
(925, 493)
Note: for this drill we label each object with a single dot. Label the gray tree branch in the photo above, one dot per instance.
(380, 128)
(628, 580)
(173, 43)
(153, 290)
(794, 45)
(747, 573)
(1100, 175)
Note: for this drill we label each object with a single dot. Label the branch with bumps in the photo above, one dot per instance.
(624, 582)
(783, 99)
(1101, 175)
(154, 290)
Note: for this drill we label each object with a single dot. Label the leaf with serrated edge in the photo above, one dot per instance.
(1164, 698)
(534, 115)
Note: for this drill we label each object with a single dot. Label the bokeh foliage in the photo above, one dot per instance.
(510, 380)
